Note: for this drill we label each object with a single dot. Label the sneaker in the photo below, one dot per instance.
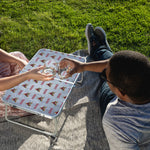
(101, 35)
(92, 40)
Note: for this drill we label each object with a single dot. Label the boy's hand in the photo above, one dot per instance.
(74, 66)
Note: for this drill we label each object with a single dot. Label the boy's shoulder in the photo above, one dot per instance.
(127, 120)
(119, 110)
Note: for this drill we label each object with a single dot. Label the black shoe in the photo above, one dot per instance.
(93, 41)
(101, 35)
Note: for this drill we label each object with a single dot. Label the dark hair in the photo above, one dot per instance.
(130, 72)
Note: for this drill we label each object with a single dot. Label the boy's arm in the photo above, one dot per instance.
(96, 66)
(77, 66)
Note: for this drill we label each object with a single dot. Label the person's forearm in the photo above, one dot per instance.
(96, 66)
(9, 82)
(6, 57)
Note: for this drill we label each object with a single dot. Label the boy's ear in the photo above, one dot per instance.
(120, 94)
(123, 96)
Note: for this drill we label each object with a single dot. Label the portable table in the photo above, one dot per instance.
(38, 97)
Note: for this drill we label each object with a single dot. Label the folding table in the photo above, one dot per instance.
(38, 97)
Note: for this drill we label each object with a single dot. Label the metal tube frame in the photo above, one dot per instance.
(33, 128)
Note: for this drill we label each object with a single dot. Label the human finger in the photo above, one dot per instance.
(45, 77)
(65, 62)
(40, 68)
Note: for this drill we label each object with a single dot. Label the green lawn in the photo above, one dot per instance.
(28, 25)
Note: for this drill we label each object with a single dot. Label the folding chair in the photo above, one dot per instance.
(38, 97)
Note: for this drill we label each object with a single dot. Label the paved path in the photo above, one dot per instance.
(80, 129)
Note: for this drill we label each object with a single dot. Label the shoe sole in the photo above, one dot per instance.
(86, 34)
(104, 34)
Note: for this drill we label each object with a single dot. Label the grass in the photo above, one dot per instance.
(30, 25)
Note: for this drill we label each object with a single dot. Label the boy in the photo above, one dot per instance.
(124, 94)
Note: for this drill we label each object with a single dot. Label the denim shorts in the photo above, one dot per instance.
(105, 94)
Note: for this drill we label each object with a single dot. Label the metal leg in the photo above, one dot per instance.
(81, 74)
(32, 128)
(56, 126)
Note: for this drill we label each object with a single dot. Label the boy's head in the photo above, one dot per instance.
(130, 73)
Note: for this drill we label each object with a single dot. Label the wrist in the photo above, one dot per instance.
(26, 75)
(83, 67)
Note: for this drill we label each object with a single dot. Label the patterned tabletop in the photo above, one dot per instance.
(38, 97)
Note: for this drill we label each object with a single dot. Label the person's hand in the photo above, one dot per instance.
(74, 66)
(37, 75)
